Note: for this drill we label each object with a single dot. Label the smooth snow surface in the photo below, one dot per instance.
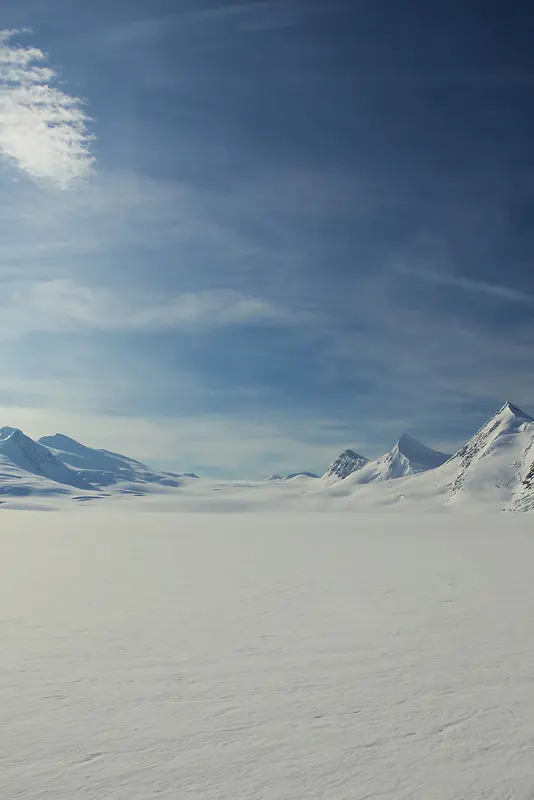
(280, 658)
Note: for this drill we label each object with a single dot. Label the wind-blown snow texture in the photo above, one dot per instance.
(286, 658)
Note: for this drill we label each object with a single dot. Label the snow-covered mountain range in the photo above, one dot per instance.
(57, 464)
(494, 470)
(21, 458)
(104, 468)
(407, 457)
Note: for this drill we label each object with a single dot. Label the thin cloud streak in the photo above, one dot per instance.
(43, 130)
(482, 287)
(250, 17)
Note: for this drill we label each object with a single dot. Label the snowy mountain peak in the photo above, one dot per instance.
(20, 451)
(348, 462)
(509, 419)
(417, 453)
(6, 432)
(60, 441)
(511, 410)
(105, 468)
(406, 457)
(408, 443)
(496, 456)
(353, 454)
(15, 437)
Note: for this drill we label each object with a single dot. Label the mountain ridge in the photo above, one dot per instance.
(407, 457)
(105, 468)
(22, 452)
(494, 469)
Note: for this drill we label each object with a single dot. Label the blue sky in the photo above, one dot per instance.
(238, 237)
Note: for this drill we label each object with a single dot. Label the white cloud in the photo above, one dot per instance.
(213, 308)
(113, 211)
(62, 305)
(43, 130)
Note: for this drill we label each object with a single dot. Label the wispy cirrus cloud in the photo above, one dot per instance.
(62, 304)
(253, 16)
(496, 290)
(43, 130)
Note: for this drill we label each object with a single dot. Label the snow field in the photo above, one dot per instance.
(278, 657)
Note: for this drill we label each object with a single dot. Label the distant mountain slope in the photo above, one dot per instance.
(20, 454)
(524, 500)
(406, 458)
(496, 459)
(345, 464)
(104, 468)
(493, 471)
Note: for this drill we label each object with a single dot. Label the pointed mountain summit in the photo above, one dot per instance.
(494, 470)
(412, 456)
(407, 457)
(508, 420)
(509, 408)
(21, 452)
(496, 457)
(345, 464)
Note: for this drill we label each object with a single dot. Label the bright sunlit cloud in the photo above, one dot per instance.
(43, 130)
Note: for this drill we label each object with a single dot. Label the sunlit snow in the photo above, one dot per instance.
(218, 657)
